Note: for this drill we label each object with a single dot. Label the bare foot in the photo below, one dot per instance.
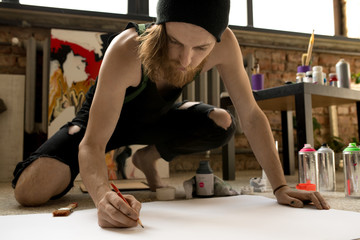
(145, 160)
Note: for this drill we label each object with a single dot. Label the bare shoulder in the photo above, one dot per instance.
(225, 52)
(227, 58)
(121, 59)
(126, 38)
(228, 39)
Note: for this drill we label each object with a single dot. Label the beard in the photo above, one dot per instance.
(174, 74)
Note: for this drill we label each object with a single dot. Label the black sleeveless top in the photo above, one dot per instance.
(143, 104)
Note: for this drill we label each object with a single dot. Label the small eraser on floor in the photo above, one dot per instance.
(165, 193)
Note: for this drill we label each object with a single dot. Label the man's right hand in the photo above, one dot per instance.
(114, 212)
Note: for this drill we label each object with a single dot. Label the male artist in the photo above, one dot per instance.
(134, 103)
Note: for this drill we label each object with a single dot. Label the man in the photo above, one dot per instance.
(134, 103)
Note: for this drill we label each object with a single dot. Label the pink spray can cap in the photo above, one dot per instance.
(307, 148)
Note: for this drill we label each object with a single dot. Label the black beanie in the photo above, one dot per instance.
(212, 15)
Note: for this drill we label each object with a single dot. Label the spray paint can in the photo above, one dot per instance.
(308, 166)
(351, 156)
(204, 180)
(326, 165)
(343, 73)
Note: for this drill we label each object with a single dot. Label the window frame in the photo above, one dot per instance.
(45, 17)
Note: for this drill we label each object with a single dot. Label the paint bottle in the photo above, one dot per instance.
(333, 81)
(308, 77)
(303, 69)
(325, 81)
(204, 180)
(343, 73)
(326, 165)
(308, 168)
(351, 156)
(317, 75)
(300, 77)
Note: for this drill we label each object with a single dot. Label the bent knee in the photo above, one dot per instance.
(221, 117)
(28, 198)
(43, 179)
(27, 193)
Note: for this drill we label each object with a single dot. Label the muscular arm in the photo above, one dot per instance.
(253, 121)
(119, 70)
(255, 124)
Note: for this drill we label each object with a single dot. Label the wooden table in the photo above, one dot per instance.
(298, 97)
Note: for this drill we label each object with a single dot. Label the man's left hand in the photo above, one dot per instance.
(297, 198)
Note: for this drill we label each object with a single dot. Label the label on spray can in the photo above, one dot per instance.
(343, 73)
(204, 180)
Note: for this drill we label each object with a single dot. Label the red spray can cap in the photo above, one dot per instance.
(307, 148)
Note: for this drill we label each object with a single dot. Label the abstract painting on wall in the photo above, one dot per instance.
(75, 59)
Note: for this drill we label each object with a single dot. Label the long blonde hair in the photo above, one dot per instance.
(153, 50)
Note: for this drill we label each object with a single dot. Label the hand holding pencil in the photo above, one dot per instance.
(122, 197)
(113, 211)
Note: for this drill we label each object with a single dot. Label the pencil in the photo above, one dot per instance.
(122, 197)
(310, 47)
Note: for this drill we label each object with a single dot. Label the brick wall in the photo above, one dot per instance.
(13, 57)
(278, 66)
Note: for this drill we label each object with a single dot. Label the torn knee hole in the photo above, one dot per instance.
(187, 105)
(73, 129)
(221, 118)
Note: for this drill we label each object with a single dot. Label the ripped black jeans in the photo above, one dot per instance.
(178, 132)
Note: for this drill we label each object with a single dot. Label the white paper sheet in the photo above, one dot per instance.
(239, 217)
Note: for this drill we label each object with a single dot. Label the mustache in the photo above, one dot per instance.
(176, 64)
